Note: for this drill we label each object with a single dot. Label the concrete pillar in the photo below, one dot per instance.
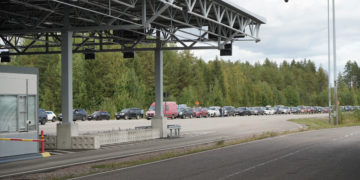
(159, 121)
(66, 77)
(66, 129)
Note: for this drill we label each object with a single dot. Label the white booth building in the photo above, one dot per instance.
(18, 110)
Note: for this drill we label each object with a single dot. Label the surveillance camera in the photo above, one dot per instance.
(286, 1)
(28, 122)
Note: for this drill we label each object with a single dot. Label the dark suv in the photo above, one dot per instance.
(78, 114)
(185, 112)
(99, 115)
(229, 111)
(130, 113)
(42, 116)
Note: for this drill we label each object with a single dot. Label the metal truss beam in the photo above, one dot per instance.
(189, 23)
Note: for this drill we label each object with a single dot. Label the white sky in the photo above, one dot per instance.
(298, 30)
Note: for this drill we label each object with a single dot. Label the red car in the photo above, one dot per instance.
(200, 112)
(204, 112)
(310, 110)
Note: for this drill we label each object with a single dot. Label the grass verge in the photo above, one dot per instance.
(345, 120)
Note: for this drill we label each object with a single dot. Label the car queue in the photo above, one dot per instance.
(172, 111)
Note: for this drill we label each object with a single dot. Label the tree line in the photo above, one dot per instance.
(112, 83)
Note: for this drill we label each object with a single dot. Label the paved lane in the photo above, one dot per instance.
(324, 154)
(194, 131)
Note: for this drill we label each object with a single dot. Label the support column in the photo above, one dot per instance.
(66, 77)
(66, 129)
(159, 121)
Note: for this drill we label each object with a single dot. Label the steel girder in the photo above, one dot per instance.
(34, 26)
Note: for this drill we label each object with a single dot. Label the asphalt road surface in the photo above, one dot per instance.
(324, 154)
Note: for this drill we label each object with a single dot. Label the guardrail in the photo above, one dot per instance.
(176, 129)
(173, 127)
(41, 140)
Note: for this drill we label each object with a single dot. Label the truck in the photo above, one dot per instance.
(169, 110)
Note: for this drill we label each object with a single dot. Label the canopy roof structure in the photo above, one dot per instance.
(120, 25)
(89, 26)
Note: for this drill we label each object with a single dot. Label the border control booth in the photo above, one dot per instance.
(89, 27)
(18, 110)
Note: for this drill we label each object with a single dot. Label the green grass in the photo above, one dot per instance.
(345, 120)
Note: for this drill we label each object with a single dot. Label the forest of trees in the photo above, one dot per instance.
(112, 83)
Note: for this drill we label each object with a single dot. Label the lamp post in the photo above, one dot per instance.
(329, 48)
(334, 54)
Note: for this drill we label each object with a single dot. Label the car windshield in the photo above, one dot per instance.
(152, 108)
(48, 112)
(124, 110)
(96, 113)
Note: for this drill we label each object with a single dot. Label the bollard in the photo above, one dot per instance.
(42, 142)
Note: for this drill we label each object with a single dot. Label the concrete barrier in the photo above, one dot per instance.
(85, 142)
(94, 141)
(50, 142)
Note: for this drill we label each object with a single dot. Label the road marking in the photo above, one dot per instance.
(264, 163)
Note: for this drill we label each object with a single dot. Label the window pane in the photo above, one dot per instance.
(32, 112)
(22, 113)
(7, 113)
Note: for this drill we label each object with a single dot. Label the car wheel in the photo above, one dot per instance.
(137, 117)
(117, 118)
(83, 118)
(43, 122)
(172, 117)
(53, 119)
(191, 116)
(126, 117)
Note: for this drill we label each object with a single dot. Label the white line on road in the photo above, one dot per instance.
(264, 163)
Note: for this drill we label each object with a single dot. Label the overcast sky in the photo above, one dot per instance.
(298, 30)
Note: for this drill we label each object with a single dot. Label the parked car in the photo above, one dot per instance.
(269, 111)
(229, 111)
(260, 110)
(349, 108)
(185, 112)
(253, 111)
(42, 116)
(50, 116)
(214, 111)
(197, 112)
(244, 111)
(302, 109)
(205, 112)
(309, 110)
(283, 110)
(130, 113)
(294, 110)
(78, 114)
(169, 110)
(99, 115)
